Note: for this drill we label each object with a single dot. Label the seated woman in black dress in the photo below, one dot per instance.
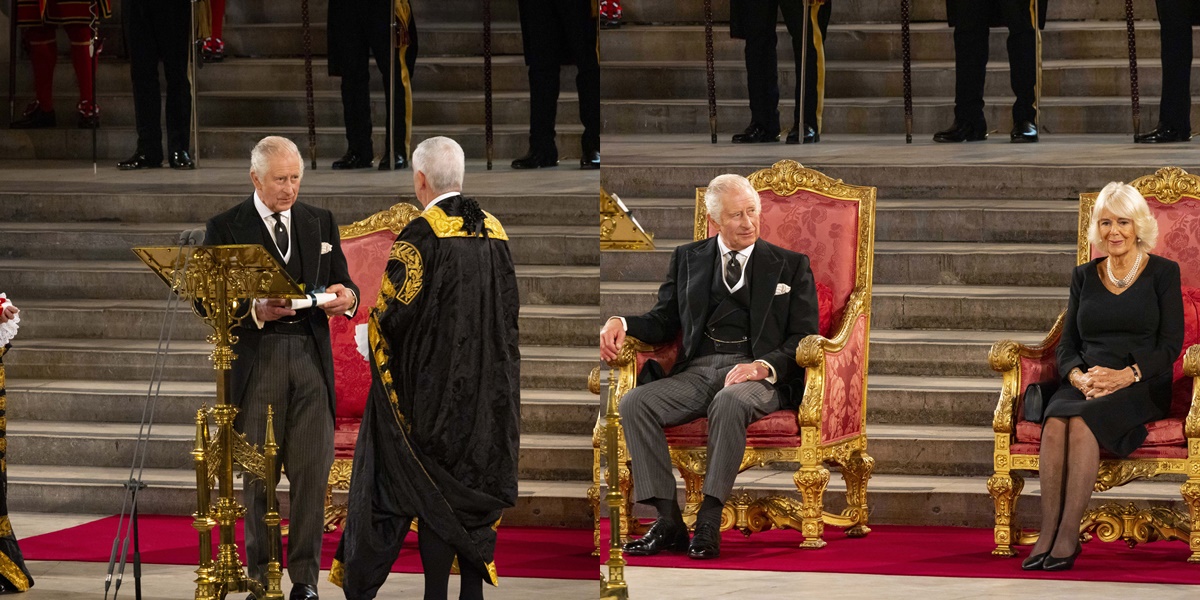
(1122, 333)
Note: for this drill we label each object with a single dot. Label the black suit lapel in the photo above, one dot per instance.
(308, 242)
(765, 269)
(247, 227)
(694, 306)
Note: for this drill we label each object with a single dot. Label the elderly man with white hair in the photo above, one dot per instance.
(285, 360)
(440, 433)
(741, 306)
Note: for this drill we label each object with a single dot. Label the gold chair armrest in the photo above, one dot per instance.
(1005, 358)
(1191, 368)
(811, 353)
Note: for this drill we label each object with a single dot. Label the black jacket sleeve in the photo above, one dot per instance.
(1170, 323)
(339, 271)
(1069, 346)
(661, 324)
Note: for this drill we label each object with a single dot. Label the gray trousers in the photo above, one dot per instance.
(698, 391)
(287, 376)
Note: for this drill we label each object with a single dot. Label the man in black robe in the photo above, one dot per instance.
(439, 436)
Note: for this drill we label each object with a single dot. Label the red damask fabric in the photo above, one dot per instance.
(842, 414)
(779, 429)
(367, 257)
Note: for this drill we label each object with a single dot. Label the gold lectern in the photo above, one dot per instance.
(220, 281)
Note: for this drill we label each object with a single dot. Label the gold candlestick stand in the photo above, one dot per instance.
(614, 585)
(219, 281)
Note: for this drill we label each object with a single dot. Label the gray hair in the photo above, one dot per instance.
(1124, 201)
(442, 161)
(270, 147)
(725, 186)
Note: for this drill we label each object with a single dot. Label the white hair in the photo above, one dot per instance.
(1124, 201)
(726, 186)
(270, 147)
(442, 161)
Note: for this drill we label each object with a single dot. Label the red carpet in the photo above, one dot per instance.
(542, 552)
(931, 551)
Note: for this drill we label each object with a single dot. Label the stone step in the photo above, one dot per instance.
(939, 353)
(34, 279)
(542, 411)
(912, 263)
(542, 367)
(950, 220)
(899, 306)
(927, 449)
(118, 143)
(871, 11)
(944, 501)
(530, 245)
(940, 400)
(143, 319)
(642, 79)
(848, 40)
(56, 443)
(860, 115)
(448, 11)
(40, 488)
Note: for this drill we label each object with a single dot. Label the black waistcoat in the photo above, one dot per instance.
(294, 267)
(728, 314)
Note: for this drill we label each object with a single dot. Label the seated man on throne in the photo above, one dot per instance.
(741, 306)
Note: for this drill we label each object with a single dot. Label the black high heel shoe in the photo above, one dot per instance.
(1053, 563)
(1034, 562)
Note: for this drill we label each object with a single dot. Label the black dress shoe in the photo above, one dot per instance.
(1163, 134)
(303, 591)
(1034, 562)
(140, 161)
(810, 135)
(352, 160)
(590, 160)
(1053, 563)
(536, 159)
(1024, 132)
(755, 134)
(400, 164)
(706, 543)
(663, 535)
(35, 118)
(180, 159)
(962, 132)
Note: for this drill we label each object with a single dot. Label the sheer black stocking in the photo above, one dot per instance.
(437, 556)
(1083, 462)
(1051, 464)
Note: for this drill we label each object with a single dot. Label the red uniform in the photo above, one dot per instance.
(38, 20)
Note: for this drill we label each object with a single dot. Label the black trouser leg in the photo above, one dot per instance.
(970, 61)
(437, 556)
(762, 63)
(1175, 23)
(143, 71)
(174, 31)
(580, 27)
(543, 107)
(794, 14)
(1022, 59)
(380, 47)
(356, 94)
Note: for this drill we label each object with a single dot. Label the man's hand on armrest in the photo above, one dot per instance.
(612, 337)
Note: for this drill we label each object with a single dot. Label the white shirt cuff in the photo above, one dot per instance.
(254, 312)
(624, 325)
(771, 378)
(354, 307)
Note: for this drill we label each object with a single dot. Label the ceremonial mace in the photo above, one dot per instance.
(614, 586)
(488, 133)
(906, 43)
(710, 67)
(1133, 70)
(310, 107)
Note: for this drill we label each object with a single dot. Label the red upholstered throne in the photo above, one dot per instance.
(833, 223)
(1173, 444)
(367, 245)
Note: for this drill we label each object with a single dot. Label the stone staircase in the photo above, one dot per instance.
(259, 89)
(654, 70)
(961, 261)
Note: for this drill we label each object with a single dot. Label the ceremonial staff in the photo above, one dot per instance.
(803, 66)
(390, 143)
(193, 46)
(308, 84)
(94, 65)
(906, 43)
(711, 70)
(1133, 70)
(487, 81)
(12, 61)
(1037, 40)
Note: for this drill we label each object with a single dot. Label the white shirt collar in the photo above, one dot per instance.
(744, 253)
(443, 197)
(265, 212)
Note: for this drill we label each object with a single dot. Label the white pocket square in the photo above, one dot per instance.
(782, 288)
(326, 248)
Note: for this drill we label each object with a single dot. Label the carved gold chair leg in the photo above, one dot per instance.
(1191, 495)
(629, 525)
(693, 493)
(811, 482)
(593, 495)
(856, 472)
(1005, 489)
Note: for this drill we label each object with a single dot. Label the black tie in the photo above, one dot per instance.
(281, 234)
(733, 270)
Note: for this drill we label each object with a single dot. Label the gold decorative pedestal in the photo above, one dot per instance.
(614, 585)
(220, 281)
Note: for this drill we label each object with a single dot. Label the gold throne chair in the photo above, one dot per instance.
(1173, 444)
(834, 224)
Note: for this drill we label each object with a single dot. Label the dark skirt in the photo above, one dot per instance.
(1119, 419)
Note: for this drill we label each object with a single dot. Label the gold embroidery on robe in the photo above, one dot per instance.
(445, 226)
(414, 271)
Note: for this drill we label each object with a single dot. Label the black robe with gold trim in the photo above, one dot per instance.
(14, 577)
(440, 434)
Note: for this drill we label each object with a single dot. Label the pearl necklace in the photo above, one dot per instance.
(1129, 277)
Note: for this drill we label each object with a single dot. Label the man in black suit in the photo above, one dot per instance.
(284, 356)
(1175, 20)
(971, 21)
(742, 305)
(755, 21)
(556, 33)
(159, 31)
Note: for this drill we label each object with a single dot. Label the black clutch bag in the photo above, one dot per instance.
(1036, 397)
